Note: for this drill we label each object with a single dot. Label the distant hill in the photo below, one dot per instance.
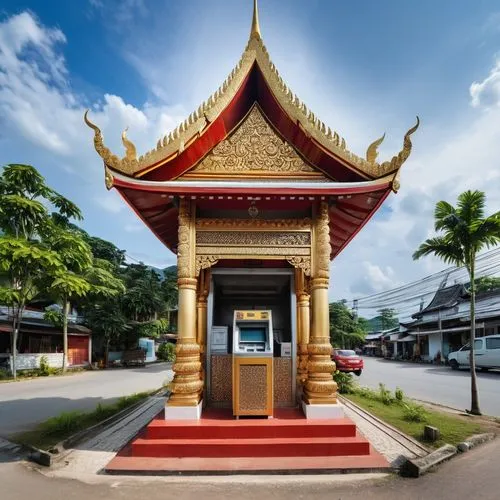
(375, 324)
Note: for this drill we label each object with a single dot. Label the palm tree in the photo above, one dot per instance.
(465, 231)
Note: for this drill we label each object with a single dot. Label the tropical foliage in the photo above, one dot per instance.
(45, 256)
(345, 330)
(464, 231)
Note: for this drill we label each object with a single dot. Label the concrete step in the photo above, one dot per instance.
(245, 429)
(251, 447)
(248, 465)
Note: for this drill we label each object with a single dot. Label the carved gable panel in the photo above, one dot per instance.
(252, 150)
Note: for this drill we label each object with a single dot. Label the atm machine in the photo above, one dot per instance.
(252, 363)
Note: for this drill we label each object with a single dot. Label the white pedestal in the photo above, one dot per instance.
(323, 411)
(183, 412)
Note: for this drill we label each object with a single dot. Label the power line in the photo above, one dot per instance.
(406, 299)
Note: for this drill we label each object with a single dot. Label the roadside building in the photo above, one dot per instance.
(38, 338)
(443, 326)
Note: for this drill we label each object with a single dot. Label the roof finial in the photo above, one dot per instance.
(255, 31)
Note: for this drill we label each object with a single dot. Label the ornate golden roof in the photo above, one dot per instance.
(174, 143)
(253, 149)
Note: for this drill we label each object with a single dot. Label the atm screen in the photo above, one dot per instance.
(253, 334)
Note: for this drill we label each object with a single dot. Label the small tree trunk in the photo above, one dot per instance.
(474, 406)
(65, 334)
(15, 335)
(15, 325)
(106, 352)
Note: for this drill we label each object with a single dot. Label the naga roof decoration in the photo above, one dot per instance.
(173, 144)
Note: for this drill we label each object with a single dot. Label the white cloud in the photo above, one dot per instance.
(42, 123)
(487, 93)
(374, 279)
(437, 170)
(41, 117)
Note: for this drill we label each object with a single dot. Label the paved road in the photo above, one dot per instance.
(434, 383)
(24, 404)
(471, 475)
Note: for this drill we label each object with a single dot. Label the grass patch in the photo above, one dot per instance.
(6, 377)
(454, 428)
(56, 429)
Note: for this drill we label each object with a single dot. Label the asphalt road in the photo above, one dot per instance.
(26, 403)
(437, 384)
(471, 475)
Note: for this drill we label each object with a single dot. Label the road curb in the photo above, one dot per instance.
(72, 441)
(416, 467)
(474, 441)
(62, 449)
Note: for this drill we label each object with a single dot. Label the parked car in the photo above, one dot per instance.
(347, 361)
(486, 353)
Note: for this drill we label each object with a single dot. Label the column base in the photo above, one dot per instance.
(183, 412)
(335, 410)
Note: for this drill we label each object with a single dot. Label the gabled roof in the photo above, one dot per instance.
(200, 159)
(444, 298)
(254, 79)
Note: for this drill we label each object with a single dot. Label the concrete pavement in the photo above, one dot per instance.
(436, 384)
(26, 403)
(472, 475)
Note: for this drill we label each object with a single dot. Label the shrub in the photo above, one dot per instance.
(64, 423)
(385, 395)
(367, 393)
(44, 369)
(166, 351)
(4, 374)
(345, 382)
(413, 412)
(399, 395)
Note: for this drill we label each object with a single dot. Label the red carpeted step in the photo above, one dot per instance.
(270, 447)
(138, 465)
(233, 429)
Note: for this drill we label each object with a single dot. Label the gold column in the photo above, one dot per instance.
(320, 388)
(187, 385)
(201, 323)
(303, 324)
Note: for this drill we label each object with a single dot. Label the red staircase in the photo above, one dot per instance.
(219, 443)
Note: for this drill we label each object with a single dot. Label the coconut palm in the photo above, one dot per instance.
(464, 231)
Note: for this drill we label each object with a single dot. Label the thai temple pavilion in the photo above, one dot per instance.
(255, 195)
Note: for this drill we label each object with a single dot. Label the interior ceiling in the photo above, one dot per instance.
(251, 285)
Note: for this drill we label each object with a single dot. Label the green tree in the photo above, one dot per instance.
(69, 283)
(487, 284)
(387, 318)
(143, 300)
(169, 291)
(464, 231)
(25, 257)
(345, 331)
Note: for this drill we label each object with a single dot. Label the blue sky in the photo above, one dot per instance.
(364, 67)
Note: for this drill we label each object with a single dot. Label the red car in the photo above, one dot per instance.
(347, 361)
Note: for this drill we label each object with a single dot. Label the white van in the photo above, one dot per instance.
(486, 352)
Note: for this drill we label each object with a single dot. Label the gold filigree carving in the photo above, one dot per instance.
(303, 263)
(108, 178)
(187, 384)
(322, 242)
(236, 252)
(205, 262)
(255, 52)
(184, 246)
(290, 224)
(253, 148)
(253, 238)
